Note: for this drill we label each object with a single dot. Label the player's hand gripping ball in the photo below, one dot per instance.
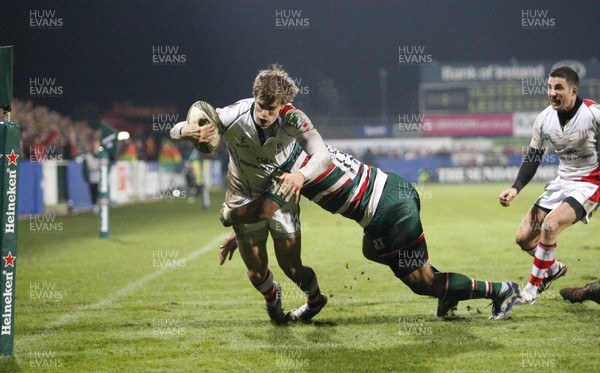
(203, 113)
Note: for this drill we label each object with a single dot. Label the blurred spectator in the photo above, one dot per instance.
(130, 152)
(91, 169)
(151, 149)
(169, 154)
(424, 176)
(70, 148)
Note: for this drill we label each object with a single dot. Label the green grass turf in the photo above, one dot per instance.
(152, 297)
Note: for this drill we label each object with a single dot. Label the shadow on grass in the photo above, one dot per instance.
(420, 348)
(9, 364)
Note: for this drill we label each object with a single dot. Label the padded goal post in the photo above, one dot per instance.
(10, 144)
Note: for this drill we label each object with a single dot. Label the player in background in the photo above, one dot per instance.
(387, 207)
(578, 295)
(262, 133)
(571, 125)
(194, 178)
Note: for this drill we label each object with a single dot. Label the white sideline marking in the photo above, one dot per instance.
(128, 288)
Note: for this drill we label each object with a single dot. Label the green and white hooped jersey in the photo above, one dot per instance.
(349, 187)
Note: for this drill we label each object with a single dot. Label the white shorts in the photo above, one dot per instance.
(557, 190)
(285, 223)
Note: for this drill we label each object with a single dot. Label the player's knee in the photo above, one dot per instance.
(549, 227)
(370, 254)
(290, 271)
(421, 281)
(256, 277)
(524, 242)
(422, 288)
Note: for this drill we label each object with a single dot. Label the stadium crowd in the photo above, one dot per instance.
(49, 135)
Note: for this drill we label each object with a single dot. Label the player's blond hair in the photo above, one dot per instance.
(274, 86)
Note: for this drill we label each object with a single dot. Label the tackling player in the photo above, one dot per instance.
(387, 207)
(571, 125)
(262, 133)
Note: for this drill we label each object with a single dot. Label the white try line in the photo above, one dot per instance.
(125, 290)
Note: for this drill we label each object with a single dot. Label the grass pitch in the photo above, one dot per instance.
(153, 298)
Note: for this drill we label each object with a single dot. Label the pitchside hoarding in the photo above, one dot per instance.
(468, 125)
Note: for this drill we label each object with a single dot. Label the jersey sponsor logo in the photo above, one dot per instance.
(573, 157)
(262, 167)
(241, 142)
(262, 160)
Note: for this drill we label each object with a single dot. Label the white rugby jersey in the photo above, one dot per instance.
(576, 143)
(349, 187)
(252, 163)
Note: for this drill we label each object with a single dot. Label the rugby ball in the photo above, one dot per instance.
(203, 113)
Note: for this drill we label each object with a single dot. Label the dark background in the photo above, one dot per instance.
(102, 53)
